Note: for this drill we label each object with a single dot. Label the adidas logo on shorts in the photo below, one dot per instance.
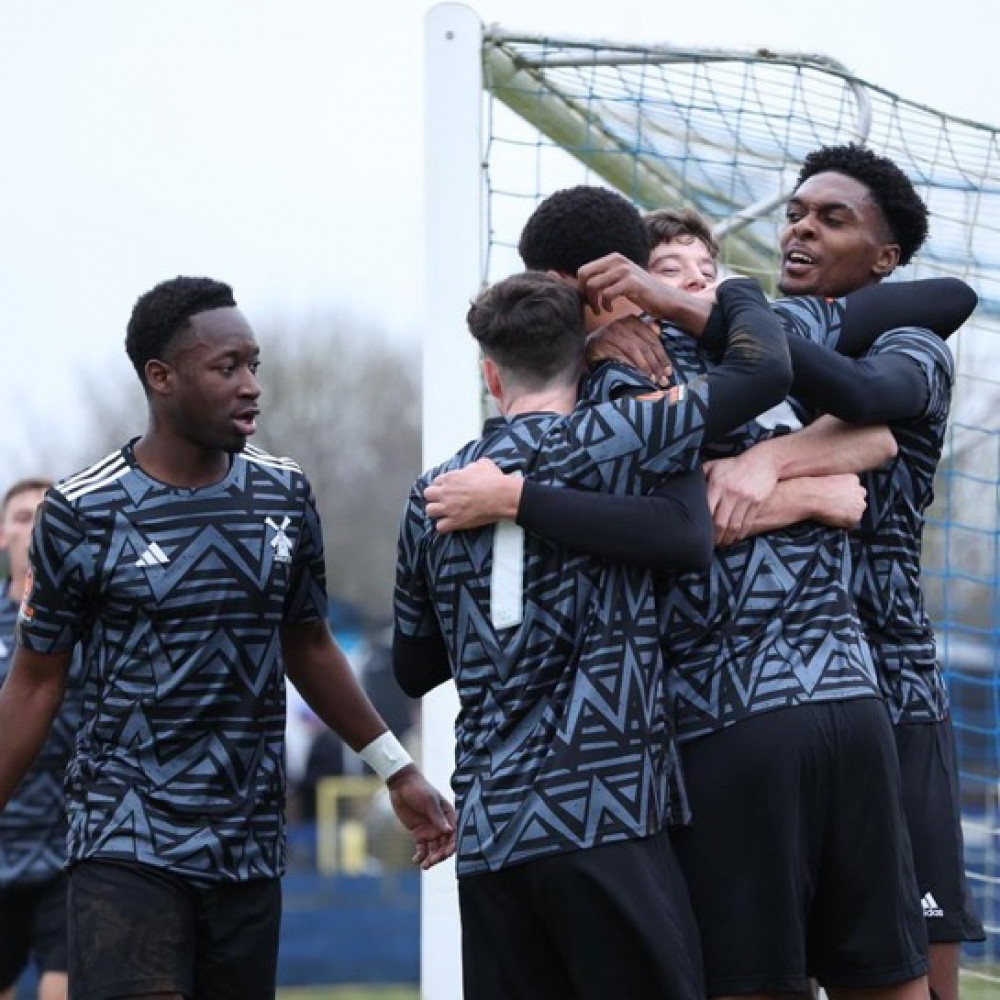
(930, 907)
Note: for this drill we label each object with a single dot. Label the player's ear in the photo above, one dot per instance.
(491, 375)
(887, 260)
(159, 376)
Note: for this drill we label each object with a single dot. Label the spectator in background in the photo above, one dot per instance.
(33, 827)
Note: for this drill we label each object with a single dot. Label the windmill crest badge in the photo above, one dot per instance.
(280, 541)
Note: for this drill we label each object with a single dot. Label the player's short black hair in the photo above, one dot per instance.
(577, 225)
(530, 324)
(903, 209)
(164, 311)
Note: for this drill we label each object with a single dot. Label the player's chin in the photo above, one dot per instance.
(797, 285)
(234, 442)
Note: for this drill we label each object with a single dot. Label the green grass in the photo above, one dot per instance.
(350, 993)
(975, 988)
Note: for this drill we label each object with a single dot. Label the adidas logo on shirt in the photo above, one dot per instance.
(153, 556)
(930, 906)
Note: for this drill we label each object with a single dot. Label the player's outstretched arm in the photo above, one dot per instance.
(29, 700)
(852, 324)
(876, 389)
(670, 529)
(941, 305)
(316, 665)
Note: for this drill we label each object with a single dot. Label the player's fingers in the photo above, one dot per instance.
(592, 287)
(641, 356)
(740, 523)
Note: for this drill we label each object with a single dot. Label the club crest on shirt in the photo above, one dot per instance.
(280, 541)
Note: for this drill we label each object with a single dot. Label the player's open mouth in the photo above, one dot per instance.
(798, 261)
(246, 421)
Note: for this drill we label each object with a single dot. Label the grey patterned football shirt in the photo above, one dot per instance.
(887, 544)
(177, 597)
(772, 624)
(563, 739)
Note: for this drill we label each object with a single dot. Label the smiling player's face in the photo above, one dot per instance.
(214, 395)
(835, 238)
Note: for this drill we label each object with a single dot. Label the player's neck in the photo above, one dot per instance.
(551, 400)
(178, 462)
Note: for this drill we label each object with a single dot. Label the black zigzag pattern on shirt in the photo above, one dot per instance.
(563, 739)
(772, 624)
(177, 597)
(887, 546)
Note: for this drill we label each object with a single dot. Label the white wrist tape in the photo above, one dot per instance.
(385, 755)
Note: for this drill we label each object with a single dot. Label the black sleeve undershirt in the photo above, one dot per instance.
(419, 664)
(941, 305)
(754, 373)
(668, 529)
(876, 390)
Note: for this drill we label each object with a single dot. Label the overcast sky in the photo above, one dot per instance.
(277, 145)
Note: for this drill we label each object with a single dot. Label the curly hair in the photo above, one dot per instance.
(577, 225)
(532, 325)
(667, 224)
(904, 210)
(165, 311)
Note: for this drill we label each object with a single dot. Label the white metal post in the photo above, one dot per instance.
(452, 399)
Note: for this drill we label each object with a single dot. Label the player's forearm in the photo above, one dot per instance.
(690, 313)
(755, 372)
(669, 529)
(827, 447)
(29, 700)
(318, 668)
(790, 502)
(938, 304)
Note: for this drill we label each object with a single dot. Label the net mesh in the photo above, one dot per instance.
(726, 132)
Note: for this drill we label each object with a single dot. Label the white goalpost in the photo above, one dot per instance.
(451, 388)
(510, 118)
